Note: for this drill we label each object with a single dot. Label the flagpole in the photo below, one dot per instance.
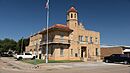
(47, 31)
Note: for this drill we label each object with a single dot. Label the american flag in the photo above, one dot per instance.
(47, 4)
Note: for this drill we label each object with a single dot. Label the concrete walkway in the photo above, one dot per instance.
(13, 64)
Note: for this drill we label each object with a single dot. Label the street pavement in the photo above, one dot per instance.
(10, 65)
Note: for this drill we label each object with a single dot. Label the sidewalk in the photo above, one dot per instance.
(12, 63)
(50, 66)
(17, 64)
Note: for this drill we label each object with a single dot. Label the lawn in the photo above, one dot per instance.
(38, 61)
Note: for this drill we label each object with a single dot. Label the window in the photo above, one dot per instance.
(97, 52)
(61, 52)
(71, 52)
(76, 54)
(71, 15)
(86, 39)
(81, 38)
(44, 38)
(75, 15)
(62, 38)
(96, 40)
(28, 54)
(91, 40)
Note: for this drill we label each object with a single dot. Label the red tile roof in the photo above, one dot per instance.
(61, 26)
(72, 9)
(58, 26)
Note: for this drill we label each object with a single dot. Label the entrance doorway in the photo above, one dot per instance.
(83, 53)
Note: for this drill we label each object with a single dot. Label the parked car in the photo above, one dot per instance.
(117, 58)
(6, 54)
(24, 56)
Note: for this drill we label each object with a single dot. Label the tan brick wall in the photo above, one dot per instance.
(35, 39)
(29, 48)
(34, 44)
(80, 31)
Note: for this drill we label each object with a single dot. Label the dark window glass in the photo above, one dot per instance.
(75, 16)
(71, 52)
(27, 54)
(91, 40)
(76, 55)
(97, 51)
(61, 52)
(71, 15)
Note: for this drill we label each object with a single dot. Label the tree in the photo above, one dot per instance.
(21, 44)
(25, 43)
(7, 44)
(0, 45)
(10, 44)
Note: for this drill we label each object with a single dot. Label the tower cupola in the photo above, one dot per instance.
(72, 14)
(72, 18)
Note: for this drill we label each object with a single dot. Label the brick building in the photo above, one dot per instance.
(70, 41)
(109, 50)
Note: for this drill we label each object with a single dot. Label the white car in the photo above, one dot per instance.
(25, 56)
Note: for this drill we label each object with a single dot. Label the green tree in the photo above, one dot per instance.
(0, 45)
(21, 44)
(10, 44)
(25, 43)
(7, 44)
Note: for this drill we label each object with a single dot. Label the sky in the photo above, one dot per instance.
(21, 18)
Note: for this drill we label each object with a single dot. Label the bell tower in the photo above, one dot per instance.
(72, 18)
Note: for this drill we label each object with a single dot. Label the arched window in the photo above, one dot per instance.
(71, 15)
(74, 15)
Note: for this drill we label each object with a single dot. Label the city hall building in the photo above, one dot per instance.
(70, 41)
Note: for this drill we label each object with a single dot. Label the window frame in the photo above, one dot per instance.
(96, 40)
(75, 15)
(86, 38)
(71, 15)
(71, 52)
(61, 51)
(91, 40)
(81, 38)
(97, 52)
